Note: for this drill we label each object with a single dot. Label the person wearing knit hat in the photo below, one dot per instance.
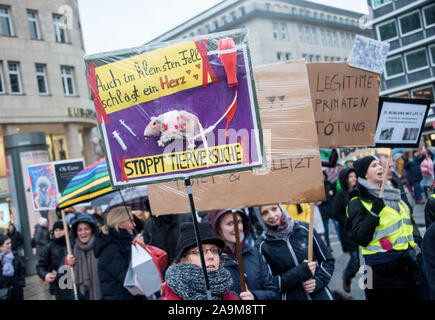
(12, 271)
(382, 226)
(51, 260)
(259, 283)
(185, 280)
(41, 235)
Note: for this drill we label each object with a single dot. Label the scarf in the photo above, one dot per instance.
(391, 195)
(6, 261)
(123, 237)
(280, 231)
(86, 269)
(187, 281)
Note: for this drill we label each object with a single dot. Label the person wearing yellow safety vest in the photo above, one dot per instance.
(383, 229)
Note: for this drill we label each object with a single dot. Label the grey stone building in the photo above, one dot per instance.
(280, 30)
(409, 27)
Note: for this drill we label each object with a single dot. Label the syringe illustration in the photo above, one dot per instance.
(128, 128)
(119, 139)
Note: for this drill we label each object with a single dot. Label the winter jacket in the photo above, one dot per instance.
(16, 238)
(258, 279)
(285, 261)
(169, 294)
(429, 212)
(326, 206)
(391, 269)
(413, 171)
(113, 261)
(338, 211)
(18, 279)
(50, 260)
(42, 237)
(163, 231)
(429, 257)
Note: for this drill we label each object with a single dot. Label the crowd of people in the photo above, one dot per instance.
(375, 228)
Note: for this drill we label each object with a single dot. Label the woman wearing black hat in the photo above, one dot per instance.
(84, 230)
(185, 280)
(259, 281)
(51, 260)
(12, 271)
(383, 228)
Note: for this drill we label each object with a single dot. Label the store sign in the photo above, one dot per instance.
(81, 113)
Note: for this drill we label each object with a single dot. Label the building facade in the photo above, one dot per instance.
(280, 30)
(409, 27)
(43, 85)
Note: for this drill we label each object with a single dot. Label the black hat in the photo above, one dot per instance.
(58, 225)
(87, 218)
(187, 239)
(362, 165)
(3, 238)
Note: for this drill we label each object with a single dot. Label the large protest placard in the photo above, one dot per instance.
(345, 102)
(48, 180)
(400, 122)
(293, 172)
(179, 109)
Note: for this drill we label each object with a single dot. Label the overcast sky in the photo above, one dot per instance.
(112, 24)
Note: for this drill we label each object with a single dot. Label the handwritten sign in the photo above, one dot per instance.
(291, 149)
(185, 108)
(345, 102)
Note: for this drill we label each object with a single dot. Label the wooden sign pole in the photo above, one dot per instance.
(68, 246)
(384, 178)
(311, 233)
(239, 252)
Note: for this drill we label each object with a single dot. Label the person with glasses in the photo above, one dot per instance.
(184, 280)
(259, 282)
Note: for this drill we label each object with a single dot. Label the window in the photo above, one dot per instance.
(67, 80)
(429, 16)
(5, 22)
(268, 7)
(307, 34)
(288, 56)
(2, 84)
(424, 93)
(315, 14)
(233, 15)
(311, 57)
(317, 58)
(326, 58)
(335, 36)
(207, 28)
(279, 56)
(59, 29)
(32, 19)
(403, 94)
(343, 39)
(416, 60)
(242, 11)
(301, 33)
(379, 3)
(308, 13)
(224, 20)
(41, 79)
(304, 55)
(338, 59)
(322, 16)
(410, 23)
(335, 18)
(322, 37)
(294, 10)
(340, 19)
(301, 11)
(216, 24)
(432, 54)
(329, 36)
(14, 77)
(314, 34)
(387, 31)
(394, 67)
(348, 40)
(275, 30)
(283, 31)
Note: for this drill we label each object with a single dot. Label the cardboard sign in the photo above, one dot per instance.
(400, 122)
(177, 109)
(345, 102)
(293, 172)
(48, 180)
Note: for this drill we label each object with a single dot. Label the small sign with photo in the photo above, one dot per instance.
(369, 54)
(400, 122)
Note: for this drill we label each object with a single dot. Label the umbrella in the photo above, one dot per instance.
(134, 197)
(88, 184)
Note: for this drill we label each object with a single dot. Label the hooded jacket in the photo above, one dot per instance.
(16, 238)
(285, 254)
(338, 211)
(258, 279)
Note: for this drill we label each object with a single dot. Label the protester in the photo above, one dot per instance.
(383, 228)
(84, 231)
(285, 250)
(259, 282)
(41, 235)
(51, 260)
(185, 279)
(426, 167)
(12, 271)
(413, 174)
(163, 232)
(325, 209)
(138, 218)
(429, 211)
(348, 180)
(429, 257)
(16, 237)
(112, 248)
